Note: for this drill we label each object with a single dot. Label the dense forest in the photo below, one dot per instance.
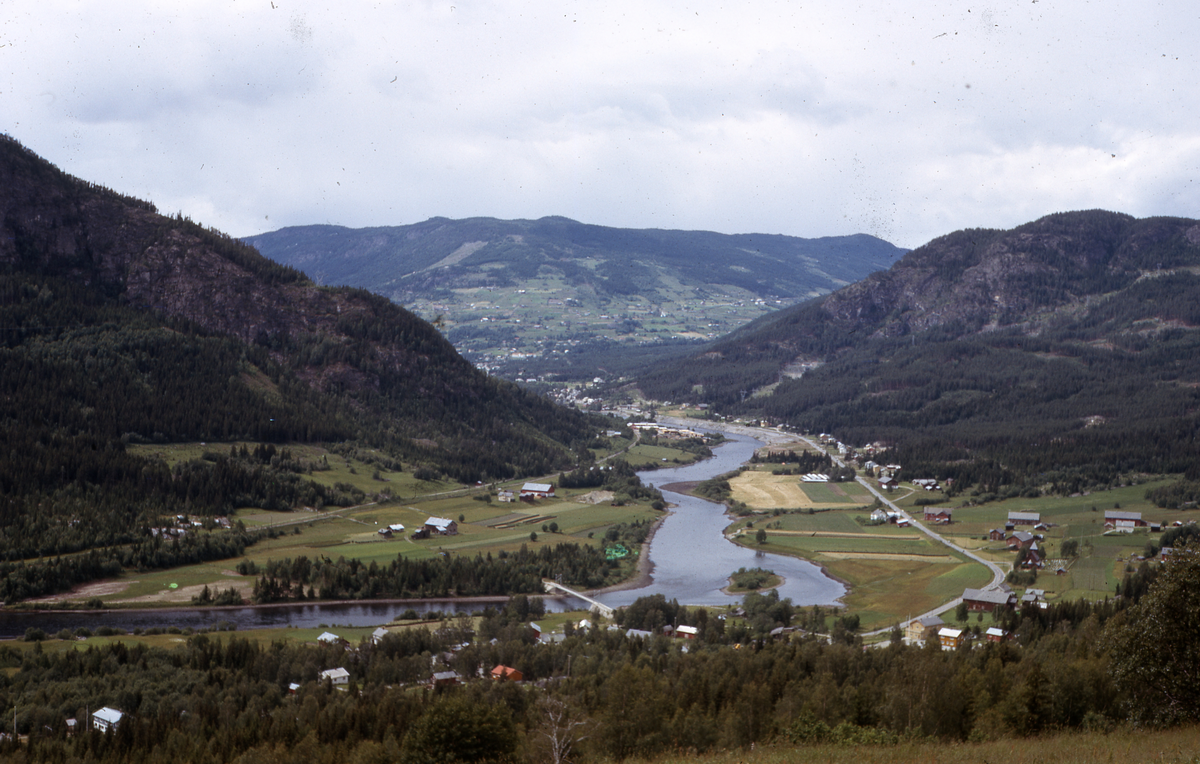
(600, 695)
(1058, 356)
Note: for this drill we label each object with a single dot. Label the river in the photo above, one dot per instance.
(691, 557)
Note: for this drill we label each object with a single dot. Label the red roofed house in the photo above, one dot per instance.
(506, 674)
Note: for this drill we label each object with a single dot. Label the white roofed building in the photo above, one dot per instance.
(107, 718)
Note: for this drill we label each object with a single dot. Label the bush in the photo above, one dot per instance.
(34, 634)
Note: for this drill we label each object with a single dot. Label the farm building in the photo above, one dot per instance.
(938, 515)
(441, 526)
(505, 496)
(1024, 518)
(1020, 539)
(537, 491)
(980, 600)
(814, 477)
(1119, 519)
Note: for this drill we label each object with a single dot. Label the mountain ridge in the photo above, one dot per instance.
(122, 326)
(513, 295)
(1075, 328)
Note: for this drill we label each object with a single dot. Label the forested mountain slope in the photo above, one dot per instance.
(515, 294)
(120, 325)
(1069, 343)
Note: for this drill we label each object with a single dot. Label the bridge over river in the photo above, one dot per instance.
(601, 608)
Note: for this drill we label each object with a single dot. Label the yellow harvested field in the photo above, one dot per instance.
(932, 558)
(762, 490)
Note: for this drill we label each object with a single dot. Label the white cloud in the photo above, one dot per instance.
(815, 119)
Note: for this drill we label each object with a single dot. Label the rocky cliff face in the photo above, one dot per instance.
(984, 279)
(52, 222)
(385, 371)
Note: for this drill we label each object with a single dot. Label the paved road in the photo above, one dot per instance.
(997, 572)
(776, 436)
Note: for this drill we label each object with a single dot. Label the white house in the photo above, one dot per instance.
(378, 635)
(106, 719)
(339, 676)
(329, 638)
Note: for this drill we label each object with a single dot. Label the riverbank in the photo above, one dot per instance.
(643, 574)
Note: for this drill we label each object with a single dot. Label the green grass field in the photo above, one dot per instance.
(836, 493)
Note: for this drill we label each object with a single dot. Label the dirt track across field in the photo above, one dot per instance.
(888, 556)
(847, 535)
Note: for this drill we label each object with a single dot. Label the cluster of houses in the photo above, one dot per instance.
(388, 531)
(665, 432)
(183, 524)
(932, 627)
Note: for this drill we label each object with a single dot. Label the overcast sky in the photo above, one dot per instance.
(902, 119)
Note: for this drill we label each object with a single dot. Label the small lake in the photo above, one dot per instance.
(691, 556)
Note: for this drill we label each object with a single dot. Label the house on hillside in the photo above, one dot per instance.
(687, 632)
(929, 484)
(107, 719)
(378, 635)
(923, 628)
(889, 483)
(996, 534)
(1036, 597)
(996, 634)
(441, 526)
(951, 638)
(506, 674)
(979, 600)
(444, 679)
(329, 638)
(505, 496)
(339, 676)
(537, 491)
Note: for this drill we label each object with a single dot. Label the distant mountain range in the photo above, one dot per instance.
(560, 299)
(1062, 352)
(119, 325)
